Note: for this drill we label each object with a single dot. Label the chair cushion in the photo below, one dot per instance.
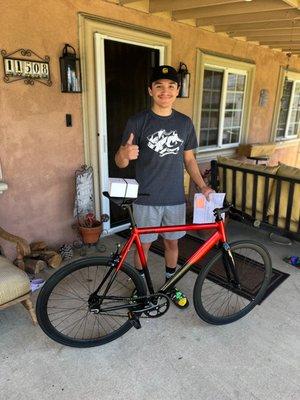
(250, 183)
(287, 172)
(14, 282)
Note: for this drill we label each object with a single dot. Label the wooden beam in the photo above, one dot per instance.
(293, 3)
(173, 5)
(267, 32)
(253, 17)
(122, 2)
(275, 43)
(257, 6)
(274, 38)
(287, 48)
(258, 26)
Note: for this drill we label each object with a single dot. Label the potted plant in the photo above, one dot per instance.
(90, 228)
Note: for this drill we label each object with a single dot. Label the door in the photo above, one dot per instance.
(123, 70)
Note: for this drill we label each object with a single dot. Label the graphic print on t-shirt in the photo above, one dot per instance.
(164, 143)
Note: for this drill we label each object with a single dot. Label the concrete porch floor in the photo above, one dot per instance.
(175, 356)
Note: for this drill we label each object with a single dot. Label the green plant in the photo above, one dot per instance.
(89, 220)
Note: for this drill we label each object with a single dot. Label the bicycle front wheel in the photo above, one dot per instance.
(62, 305)
(217, 298)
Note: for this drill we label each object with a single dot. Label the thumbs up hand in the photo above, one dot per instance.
(130, 150)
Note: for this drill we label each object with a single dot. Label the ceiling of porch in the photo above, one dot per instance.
(272, 23)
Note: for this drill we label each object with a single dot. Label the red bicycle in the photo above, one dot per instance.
(95, 300)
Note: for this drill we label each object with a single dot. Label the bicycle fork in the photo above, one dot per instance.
(229, 265)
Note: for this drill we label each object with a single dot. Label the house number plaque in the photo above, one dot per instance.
(30, 70)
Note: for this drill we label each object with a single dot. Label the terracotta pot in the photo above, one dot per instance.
(90, 235)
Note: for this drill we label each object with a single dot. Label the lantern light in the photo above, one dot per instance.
(184, 80)
(70, 71)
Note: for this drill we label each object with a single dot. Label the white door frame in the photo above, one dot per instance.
(94, 122)
(102, 118)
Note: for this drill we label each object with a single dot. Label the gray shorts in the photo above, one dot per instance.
(159, 216)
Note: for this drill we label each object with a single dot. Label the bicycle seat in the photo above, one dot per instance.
(119, 201)
(123, 201)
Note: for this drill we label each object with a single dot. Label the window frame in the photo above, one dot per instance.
(228, 65)
(293, 76)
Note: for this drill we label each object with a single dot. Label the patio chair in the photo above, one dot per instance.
(14, 283)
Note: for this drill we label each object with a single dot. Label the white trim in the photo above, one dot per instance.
(115, 229)
(295, 78)
(208, 155)
(101, 121)
(222, 107)
(289, 111)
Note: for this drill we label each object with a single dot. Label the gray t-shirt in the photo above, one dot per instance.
(159, 167)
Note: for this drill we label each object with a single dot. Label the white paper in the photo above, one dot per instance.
(203, 209)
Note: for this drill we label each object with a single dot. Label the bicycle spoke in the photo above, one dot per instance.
(218, 300)
(68, 309)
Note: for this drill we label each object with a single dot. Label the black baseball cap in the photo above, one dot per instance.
(164, 72)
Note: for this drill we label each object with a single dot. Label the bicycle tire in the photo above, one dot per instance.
(212, 286)
(69, 288)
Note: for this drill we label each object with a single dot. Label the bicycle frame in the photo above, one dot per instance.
(218, 236)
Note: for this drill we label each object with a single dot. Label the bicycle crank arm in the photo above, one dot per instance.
(134, 320)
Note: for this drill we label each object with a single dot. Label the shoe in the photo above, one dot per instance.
(36, 284)
(179, 299)
(293, 260)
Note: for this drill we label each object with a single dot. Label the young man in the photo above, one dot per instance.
(161, 140)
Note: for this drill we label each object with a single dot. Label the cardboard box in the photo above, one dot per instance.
(127, 188)
(256, 149)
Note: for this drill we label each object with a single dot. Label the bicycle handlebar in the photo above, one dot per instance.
(218, 211)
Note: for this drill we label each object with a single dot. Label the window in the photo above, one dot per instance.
(221, 122)
(289, 111)
(221, 110)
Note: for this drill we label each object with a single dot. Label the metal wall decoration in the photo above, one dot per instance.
(84, 191)
(17, 68)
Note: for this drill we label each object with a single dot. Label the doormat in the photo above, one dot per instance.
(189, 244)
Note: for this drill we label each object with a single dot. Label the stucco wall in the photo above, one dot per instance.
(39, 154)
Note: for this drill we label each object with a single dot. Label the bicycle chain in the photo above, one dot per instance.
(146, 310)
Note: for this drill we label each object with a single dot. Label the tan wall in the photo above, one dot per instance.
(39, 154)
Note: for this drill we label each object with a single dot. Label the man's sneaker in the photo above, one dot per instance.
(179, 299)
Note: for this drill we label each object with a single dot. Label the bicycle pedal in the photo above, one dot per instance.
(134, 320)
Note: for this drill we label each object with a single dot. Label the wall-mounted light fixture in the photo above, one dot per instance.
(70, 71)
(184, 80)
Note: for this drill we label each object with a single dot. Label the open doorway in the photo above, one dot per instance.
(126, 68)
(127, 72)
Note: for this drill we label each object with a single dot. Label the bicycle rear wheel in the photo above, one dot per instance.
(63, 310)
(217, 300)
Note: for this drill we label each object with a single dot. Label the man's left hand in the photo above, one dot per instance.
(206, 190)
